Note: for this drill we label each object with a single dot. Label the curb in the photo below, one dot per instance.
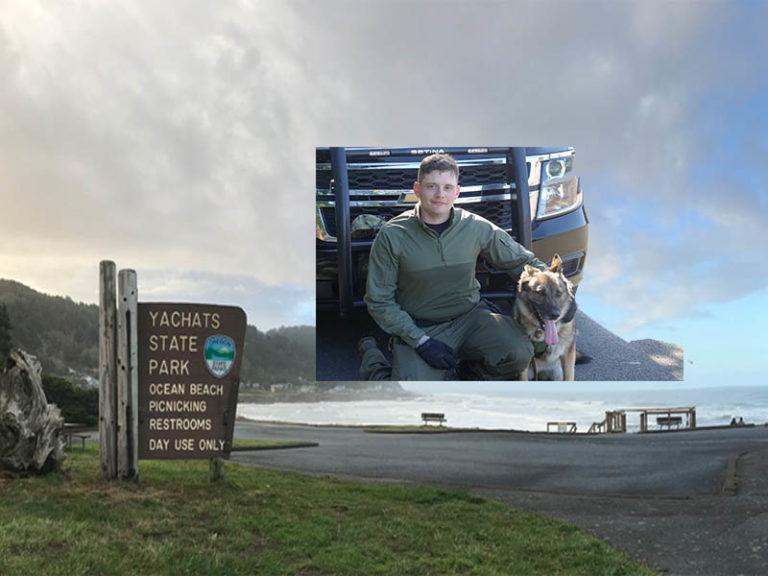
(282, 447)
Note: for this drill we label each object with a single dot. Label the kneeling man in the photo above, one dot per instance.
(422, 289)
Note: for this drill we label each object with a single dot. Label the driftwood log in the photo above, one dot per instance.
(31, 430)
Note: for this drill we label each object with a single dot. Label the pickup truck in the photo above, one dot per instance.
(534, 194)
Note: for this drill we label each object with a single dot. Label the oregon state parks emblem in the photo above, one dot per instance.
(219, 355)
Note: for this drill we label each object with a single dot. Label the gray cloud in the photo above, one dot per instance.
(180, 136)
(152, 134)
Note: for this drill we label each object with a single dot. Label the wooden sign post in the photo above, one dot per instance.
(127, 377)
(117, 374)
(107, 370)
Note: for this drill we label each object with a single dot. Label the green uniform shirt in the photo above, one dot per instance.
(414, 273)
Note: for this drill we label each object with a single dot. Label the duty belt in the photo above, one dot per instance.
(422, 323)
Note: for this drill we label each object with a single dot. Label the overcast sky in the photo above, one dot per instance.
(177, 138)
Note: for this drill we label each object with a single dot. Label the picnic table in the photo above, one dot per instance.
(76, 430)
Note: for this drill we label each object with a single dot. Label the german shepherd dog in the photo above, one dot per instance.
(545, 307)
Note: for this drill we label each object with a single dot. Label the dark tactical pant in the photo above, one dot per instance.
(494, 345)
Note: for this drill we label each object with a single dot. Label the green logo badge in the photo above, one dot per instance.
(219, 355)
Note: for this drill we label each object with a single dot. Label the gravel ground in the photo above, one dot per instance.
(616, 359)
(613, 359)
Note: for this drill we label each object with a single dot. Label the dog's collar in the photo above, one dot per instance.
(570, 313)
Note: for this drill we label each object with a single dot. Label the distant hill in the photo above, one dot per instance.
(64, 335)
(280, 355)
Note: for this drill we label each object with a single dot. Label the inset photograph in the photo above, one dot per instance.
(455, 263)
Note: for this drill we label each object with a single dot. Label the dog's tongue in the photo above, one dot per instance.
(550, 333)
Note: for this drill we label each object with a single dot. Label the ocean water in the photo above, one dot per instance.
(522, 407)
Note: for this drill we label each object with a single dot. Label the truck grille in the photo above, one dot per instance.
(499, 212)
(403, 178)
(379, 183)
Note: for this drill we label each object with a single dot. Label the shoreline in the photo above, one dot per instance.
(291, 397)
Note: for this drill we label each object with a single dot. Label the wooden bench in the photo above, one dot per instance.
(433, 417)
(669, 421)
(75, 430)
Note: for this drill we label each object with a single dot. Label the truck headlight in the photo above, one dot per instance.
(555, 168)
(560, 192)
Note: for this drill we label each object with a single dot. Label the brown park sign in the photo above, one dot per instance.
(189, 358)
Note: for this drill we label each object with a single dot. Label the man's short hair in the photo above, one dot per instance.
(438, 162)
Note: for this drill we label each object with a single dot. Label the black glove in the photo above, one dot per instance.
(437, 354)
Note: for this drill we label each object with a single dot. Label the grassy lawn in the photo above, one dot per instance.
(243, 444)
(263, 522)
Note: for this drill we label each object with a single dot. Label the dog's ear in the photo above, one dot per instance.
(527, 274)
(529, 271)
(557, 264)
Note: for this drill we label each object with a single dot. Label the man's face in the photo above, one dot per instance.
(436, 192)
